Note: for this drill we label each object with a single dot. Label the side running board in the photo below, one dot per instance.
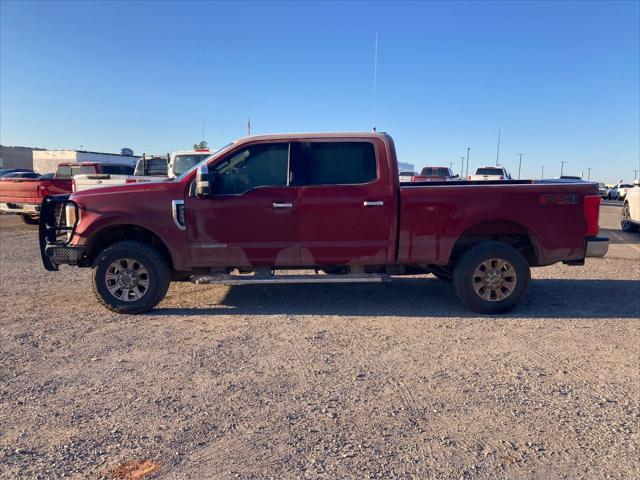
(226, 279)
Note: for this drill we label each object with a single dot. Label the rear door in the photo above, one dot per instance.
(347, 203)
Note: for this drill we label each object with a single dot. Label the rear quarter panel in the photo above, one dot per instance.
(433, 218)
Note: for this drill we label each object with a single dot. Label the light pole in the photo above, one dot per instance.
(635, 174)
(461, 167)
(542, 174)
(467, 174)
(520, 165)
(451, 166)
(498, 150)
(562, 162)
(588, 173)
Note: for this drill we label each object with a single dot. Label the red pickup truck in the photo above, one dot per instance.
(329, 204)
(23, 196)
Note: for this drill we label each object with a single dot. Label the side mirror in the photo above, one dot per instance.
(636, 182)
(203, 181)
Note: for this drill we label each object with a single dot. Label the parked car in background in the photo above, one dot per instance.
(490, 173)
(154, 166)
(434, 174)
(406, 177)
(630, 216)
(31, 174)
(602, 190)
(180, 162)
(619, 191)
(8, 171)
(23, 196)
(47, 176)
(345, 216)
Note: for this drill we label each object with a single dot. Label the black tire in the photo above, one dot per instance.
(29, 220)
(152, 263)
(472, 259)
(625, 220)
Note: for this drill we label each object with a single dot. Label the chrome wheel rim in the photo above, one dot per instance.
(625, 217)
(127, 279)
(494, 279)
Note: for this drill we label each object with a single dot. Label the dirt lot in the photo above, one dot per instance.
(343, 381)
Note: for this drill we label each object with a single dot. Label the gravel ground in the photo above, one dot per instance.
(336, 381)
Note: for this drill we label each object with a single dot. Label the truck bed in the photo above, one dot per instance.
(435, 216)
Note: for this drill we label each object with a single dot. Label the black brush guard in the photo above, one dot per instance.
(55, 234)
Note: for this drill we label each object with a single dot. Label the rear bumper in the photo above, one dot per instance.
(596, 247)
(21, 208)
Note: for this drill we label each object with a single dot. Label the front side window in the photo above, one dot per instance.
(341, 163)
(252, 167)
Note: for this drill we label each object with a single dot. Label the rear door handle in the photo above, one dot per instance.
(282, 205)
(370, 203)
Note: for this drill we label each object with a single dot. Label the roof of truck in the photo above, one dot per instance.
(285, 136)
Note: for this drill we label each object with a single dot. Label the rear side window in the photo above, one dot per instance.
(341, 163)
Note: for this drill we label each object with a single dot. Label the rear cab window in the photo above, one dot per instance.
(489, 171)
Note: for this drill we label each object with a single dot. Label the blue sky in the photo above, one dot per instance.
(560, 79)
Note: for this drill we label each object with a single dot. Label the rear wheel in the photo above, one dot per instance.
(29, 220)
(625, 219)
(130, 277)
(492, 277)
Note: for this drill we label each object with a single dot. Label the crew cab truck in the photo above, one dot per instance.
(23, 196)
(330, 204)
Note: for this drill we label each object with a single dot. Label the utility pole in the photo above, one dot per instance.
(451, 166)
(461, 167)
(520, 165)
(588, 173)
(635, 174)
(467, 174)
(498, 150)
(562, 162)
(542, 174)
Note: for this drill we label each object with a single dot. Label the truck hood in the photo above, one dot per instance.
(107, 194)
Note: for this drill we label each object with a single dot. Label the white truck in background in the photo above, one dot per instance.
(148, 169)
(630, 216)
(490, 173)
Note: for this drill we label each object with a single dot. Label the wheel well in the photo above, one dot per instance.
(118, 233)
(504, 231)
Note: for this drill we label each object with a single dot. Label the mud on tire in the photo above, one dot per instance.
(130, 277)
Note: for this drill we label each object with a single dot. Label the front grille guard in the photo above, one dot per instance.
(53, 229)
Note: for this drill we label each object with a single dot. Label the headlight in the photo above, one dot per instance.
(70, 214)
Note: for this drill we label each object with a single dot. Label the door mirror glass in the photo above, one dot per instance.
(203, 181)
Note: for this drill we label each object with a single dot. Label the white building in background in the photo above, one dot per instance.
(47, 161)
(406, 167)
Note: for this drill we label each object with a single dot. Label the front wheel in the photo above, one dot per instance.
(130, 277)
(492, 277)
(625, 219)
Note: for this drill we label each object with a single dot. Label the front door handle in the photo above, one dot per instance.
(282, 205)
(370, 203)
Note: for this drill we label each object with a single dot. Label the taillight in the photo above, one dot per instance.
(501, 177)
(73, 185)
(469, 177)
(413, 179)
(592, 214)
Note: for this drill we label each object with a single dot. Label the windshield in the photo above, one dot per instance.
(435, 172)
(222, 150)
(489, 171)
(184, 162)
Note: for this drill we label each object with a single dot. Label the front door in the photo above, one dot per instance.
(251, 217)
